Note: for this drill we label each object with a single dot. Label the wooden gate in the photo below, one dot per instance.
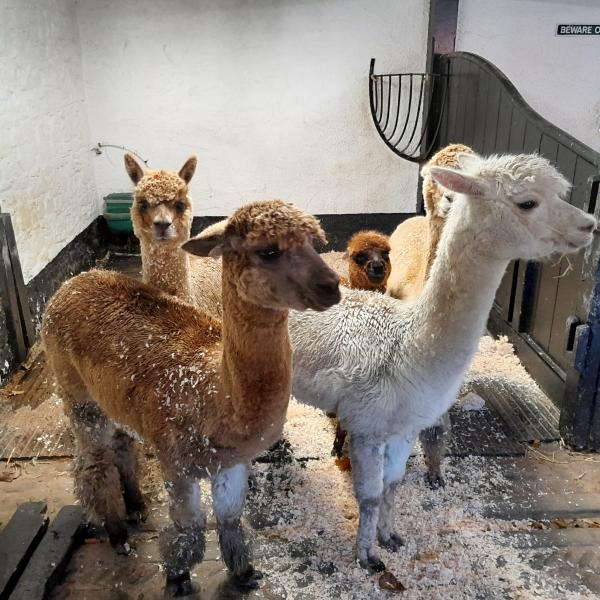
(549, 310)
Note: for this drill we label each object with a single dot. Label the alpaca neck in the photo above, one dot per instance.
(256, 362)
(166, 268)
(435, 228)
(452, 311)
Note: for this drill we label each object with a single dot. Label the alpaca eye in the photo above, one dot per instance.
(527, 205)
(448, 198)
(385, 256)
(269, 254)
(360, 258)
(142, 206)
(179, 207)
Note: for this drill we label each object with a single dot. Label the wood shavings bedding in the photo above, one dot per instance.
(452, 550)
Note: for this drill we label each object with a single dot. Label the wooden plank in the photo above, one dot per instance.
(491, 118)
(516, 140)
(470, 93)
(480, 111)
(504, 123)
(453, 102)
(570, 280)
(52, 556)
(533, 138)
(10, 300)
(18, 540)
(18, 279)
(548, 283)
(504, 291)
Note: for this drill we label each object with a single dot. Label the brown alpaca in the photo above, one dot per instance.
(162, 218)
(208, 397)
(368, 261)
(413, 244)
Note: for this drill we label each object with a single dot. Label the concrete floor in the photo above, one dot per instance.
(518, 524)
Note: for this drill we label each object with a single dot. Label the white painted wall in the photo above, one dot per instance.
(558, 76)
(46, 177)
(271, 95)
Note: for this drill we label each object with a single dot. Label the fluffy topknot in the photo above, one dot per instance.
(517, 172)
(274, 220)
(156, 186)
(364, 240)
(446, 157)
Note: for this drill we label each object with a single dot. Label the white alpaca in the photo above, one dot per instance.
(390, 369)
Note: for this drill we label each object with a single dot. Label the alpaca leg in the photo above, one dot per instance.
(397, 451)
(126, 456)
(229, 487)
(97, 479)
(338, 442)
(433, 441)
(367, 477)
(182, 543)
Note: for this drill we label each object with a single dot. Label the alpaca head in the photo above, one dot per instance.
(437, 198)
(162, 210)
(369, 260)
(268, 253)
(513, 206)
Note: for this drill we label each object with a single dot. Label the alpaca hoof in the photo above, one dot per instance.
(137, 516)
(393, 543)
(372, 564)
(117, 535)
(248, 580)
(435, 481)
(337, 452)
(180, 586)
(124, 549)
(252, 481)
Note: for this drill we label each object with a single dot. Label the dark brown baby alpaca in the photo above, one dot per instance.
(368, 261)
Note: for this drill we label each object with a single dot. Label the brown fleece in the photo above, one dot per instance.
(374, 245)
(203, 394)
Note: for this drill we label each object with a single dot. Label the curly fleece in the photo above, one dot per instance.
(157, 186)
(273, 220)
(446, 157)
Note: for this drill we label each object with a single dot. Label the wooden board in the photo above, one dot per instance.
(52, 556)
(20, 288)
(18, 540)
(9, 297)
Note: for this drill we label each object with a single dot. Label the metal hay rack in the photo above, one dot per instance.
(403, 111)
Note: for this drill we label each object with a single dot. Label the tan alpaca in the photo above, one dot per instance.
(207, 396)
(413, 244)
(162, 217)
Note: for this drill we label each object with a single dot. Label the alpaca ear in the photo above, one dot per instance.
(209, 242)
(467, 161)
(134, 170)
(456, 181)
(189, 168)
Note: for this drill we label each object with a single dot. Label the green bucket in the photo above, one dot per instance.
(117, 212)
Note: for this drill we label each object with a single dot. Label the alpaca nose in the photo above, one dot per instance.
(161, 226)
(377, 268)
(329, 285)
(588, 228)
